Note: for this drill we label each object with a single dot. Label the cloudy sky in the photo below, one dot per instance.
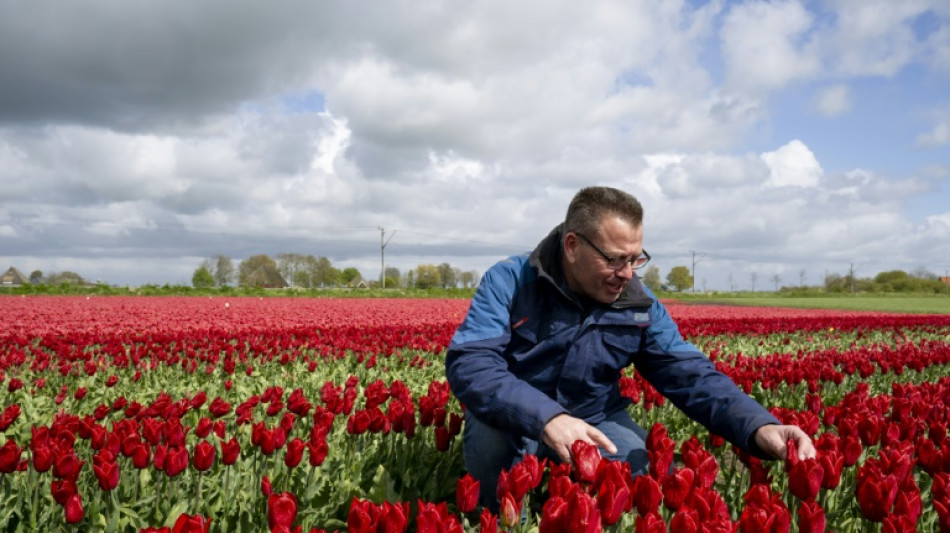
(795, 138)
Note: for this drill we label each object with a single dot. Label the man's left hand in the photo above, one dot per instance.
(772, 440)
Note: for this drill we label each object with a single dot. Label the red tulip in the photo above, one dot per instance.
(804, 479)
(583, 513)
(875, 493)
(612, 500)
(675, 488)
(488, 522)
(436, 518)
(61, 490)
(294, 453)
(909, 504)
(898, 524)
(281, 510)
(106, 470)
(650, 523)
(230, 450)
(519, 481)
(647, 495)
(10, 457)
(204, 456)
(442, 438)
(811, 517)
(586, 459)
(554, 516)
(395, 517)
(176, 461)
(141, 455)
(685, 520)
(943, 515)
(73, 509)
(832, 464)
(192, 524)
(510, 512)
(466, 493)
(317, 452)
(362, 517)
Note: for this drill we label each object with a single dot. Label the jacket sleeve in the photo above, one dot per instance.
(477, 370)
(680, 372)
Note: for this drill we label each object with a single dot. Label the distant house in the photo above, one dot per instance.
(13, 278)
(945, 279)
(266, 276)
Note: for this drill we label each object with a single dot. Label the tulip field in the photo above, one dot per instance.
(196, 414)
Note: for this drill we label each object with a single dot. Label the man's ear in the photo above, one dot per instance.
(570, 247)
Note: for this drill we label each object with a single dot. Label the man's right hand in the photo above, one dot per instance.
(561, 431)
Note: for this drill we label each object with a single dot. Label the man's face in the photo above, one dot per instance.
(586, 269)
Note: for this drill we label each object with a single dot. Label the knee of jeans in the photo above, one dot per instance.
(639, 461)
(488, 448)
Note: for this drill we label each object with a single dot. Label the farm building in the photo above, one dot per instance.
(13, 277)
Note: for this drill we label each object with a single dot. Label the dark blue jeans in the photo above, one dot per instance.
(488, 450)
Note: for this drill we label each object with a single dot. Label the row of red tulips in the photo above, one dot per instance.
(183, 426)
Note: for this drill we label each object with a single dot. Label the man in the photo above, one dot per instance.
(537, 360)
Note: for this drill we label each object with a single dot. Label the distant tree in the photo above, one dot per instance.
(732, 283)
(469, 278)
(351, 276)
(776, 279)
(393, 277)
(801, 277)
(289, 264)
(427, 277)
(651, 278)
(410, 279)
(835, 282)
(320, 272)
(754, 276)
(36, 277)
(223, 270)
(260, 271)
(68, 277)
(680, 278)
(202, 278)
(447, 275)
(923, 273)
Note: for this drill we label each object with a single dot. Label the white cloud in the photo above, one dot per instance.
(793, 164)
(465, 128)
(768, 45)
(834, 100)
(938, 136)
(874, 37)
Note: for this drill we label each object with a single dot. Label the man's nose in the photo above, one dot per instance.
(625, 273)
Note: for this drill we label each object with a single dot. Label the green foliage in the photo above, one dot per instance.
(651, 278)
(259, 271)
(679, 278)
(202, 278)
(427, 277)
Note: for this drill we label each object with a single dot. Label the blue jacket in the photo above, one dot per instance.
(529, 350)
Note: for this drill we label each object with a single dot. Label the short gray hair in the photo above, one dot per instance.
(591, 204)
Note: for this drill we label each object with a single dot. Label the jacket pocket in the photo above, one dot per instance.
(619, 345)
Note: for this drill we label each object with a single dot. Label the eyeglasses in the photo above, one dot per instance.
(618, 263)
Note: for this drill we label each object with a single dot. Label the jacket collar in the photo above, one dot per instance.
(546, 260)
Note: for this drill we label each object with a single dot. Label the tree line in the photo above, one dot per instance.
(920, 281)
(311, 272)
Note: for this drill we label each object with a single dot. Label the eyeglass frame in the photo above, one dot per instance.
(609, 259)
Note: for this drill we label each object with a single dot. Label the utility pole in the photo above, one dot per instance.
(693, 288)
(851, 275)
(382, 254)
